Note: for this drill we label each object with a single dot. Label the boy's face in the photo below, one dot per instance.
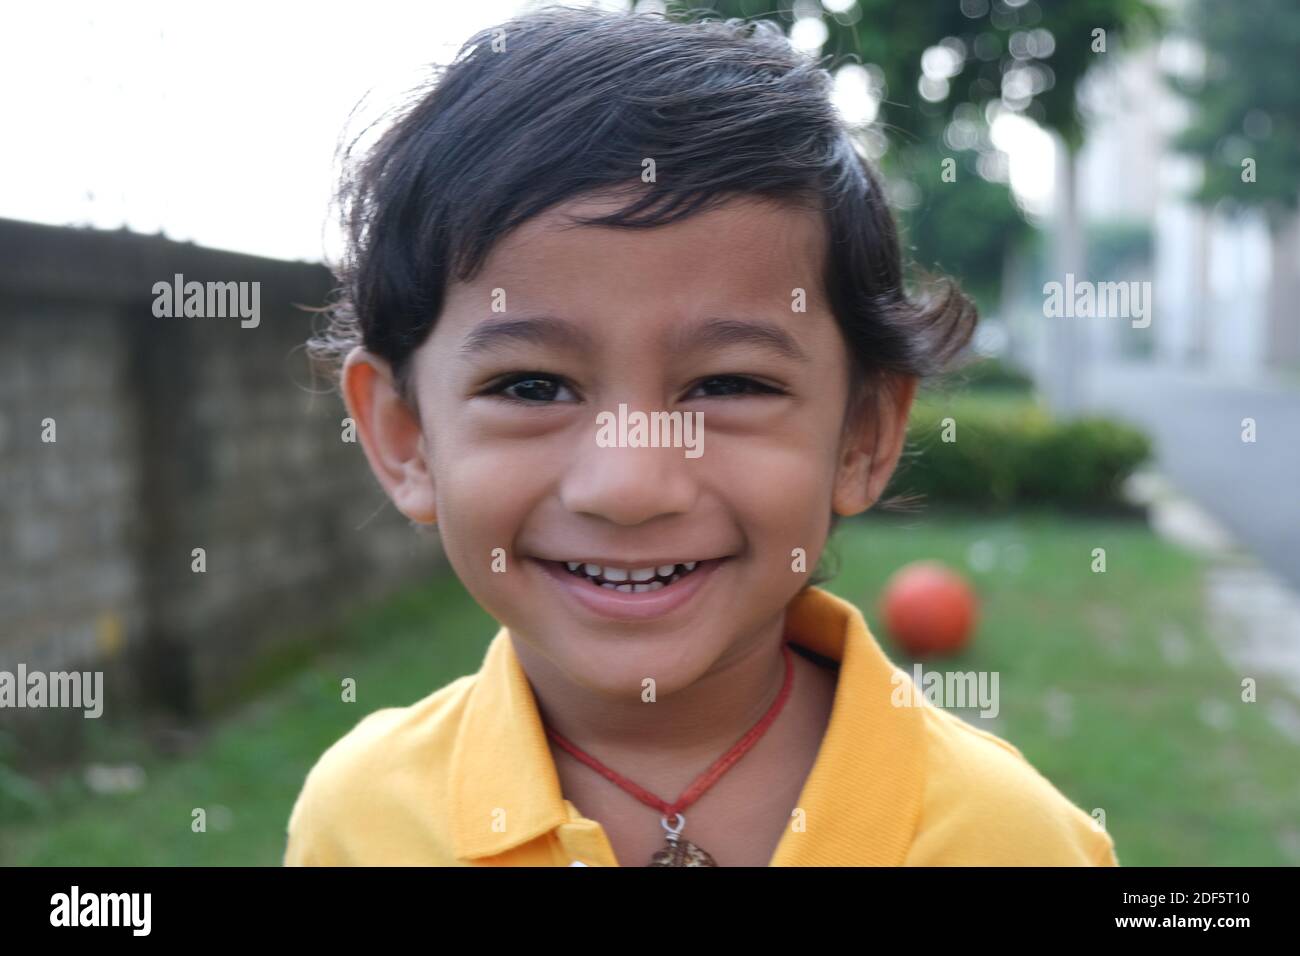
(703, 317)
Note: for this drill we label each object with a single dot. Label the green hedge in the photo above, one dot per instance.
(991, 374)
(1008, 454)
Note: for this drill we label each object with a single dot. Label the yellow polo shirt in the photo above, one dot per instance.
(465, 777)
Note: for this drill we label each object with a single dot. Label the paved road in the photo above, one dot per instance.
(1252, 489)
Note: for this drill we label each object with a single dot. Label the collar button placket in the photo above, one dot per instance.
(583, 842)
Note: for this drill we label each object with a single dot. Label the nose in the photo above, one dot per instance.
(629, 485)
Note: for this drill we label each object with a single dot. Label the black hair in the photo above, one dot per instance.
(560, 102)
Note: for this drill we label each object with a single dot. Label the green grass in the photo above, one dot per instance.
(1175, 789)
(248, 771)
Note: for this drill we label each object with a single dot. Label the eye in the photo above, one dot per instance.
(529, 388)
(722, 386)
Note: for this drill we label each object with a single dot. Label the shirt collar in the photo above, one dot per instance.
(860, 802)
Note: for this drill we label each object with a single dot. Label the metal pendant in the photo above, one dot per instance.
(678, 851)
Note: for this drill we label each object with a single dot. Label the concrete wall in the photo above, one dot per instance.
(173, 434)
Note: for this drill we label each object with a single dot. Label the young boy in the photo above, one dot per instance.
(595, 217)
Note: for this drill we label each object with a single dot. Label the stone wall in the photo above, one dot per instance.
(173, 434)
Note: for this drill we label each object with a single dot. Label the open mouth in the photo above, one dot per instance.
(631, 580)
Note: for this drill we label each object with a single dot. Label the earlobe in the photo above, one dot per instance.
(390, 433)
(872, 447)
(851, 495)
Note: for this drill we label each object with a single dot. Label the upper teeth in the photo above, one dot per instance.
(622, 574)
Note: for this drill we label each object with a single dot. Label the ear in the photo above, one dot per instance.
(872, 444)
(390, 434)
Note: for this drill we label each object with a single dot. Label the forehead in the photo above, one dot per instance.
(745, 252)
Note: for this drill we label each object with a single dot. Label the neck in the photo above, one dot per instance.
(697, 723)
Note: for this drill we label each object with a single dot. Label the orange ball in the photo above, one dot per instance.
(929, 609)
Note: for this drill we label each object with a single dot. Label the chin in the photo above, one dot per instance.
(617, 671)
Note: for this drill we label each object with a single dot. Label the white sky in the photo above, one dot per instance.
(219, 124)
(215, 124)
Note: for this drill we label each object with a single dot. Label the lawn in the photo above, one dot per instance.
(1108, 684)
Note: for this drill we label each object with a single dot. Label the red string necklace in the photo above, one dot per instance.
(678, 850)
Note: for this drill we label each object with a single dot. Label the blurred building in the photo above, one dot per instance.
(1220, 282)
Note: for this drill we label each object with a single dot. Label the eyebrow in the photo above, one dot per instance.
(560, 333)
(719, 332)
(535, 330)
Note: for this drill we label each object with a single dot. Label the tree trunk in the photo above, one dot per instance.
(1283, 323)
(1067, 337)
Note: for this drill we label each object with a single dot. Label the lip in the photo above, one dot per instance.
(630, 605)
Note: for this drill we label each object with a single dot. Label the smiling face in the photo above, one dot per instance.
(566, 322)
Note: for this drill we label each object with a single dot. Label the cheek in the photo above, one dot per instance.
(780, 493)
(481, 494)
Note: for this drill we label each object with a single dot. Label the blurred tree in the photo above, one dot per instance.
(941, 70)
(965, 231)
(990, 45)
(1246, 130)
